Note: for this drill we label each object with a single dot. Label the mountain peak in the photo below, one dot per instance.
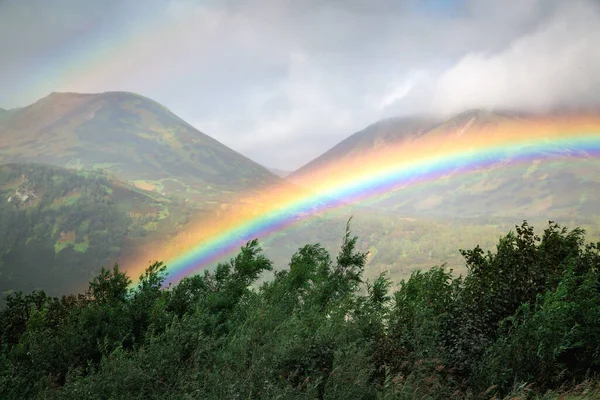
(111, 95)
(130, 135)
(478, 115)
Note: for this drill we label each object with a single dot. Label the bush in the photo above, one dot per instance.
(525, 320)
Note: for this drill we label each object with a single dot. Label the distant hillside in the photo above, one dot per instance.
(129, 135)
(58, 226)
(4, 114)
(279, 172)
(397, 130)
(373, 136)
(556, 187)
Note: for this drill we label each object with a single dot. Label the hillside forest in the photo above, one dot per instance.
(523, 321)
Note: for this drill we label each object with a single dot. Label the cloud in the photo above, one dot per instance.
(557, 65)
(346, 69)
(283, 80)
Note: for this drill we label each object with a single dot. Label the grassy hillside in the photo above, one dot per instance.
(131, 136)
(400, 244)
(398, 130)
(378, 134)
(566, 185)
(58, 227)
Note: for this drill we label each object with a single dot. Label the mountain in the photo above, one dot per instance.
(558, 186)
(4, 114)
(376, 135)
(279, 172)
(131, 136)
(59, 226)
(394, 131)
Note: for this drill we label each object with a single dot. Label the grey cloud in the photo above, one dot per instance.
(283, 80)
(556, 66)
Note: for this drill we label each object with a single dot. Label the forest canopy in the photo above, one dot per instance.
(524, 319)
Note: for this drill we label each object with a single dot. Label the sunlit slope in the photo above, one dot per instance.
(129, 135)
(399, 245)
(58, 226)
(534, 166)
(375, 136)
(392, 132)
(389, 178)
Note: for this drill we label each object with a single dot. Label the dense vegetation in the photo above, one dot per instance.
(57, 226)
(399, 244)
(525, 318)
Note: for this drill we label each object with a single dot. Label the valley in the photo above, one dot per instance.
(159, 186)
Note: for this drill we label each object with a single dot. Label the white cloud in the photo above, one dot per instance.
(558, 65)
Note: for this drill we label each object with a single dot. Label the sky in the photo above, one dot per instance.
(281, 81)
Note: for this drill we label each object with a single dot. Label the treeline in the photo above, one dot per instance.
(524, 320)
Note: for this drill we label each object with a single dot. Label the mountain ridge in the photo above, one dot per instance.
(130, 135)
(531, 188)
(280, 172)
(390, 130)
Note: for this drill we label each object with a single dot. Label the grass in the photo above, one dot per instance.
(81, 247)
(588, 390)
(147, 185)
(60, 245)
(65, 201)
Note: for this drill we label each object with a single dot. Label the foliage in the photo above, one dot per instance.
(54, 221)
(523, 322)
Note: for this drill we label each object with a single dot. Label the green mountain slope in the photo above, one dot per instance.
(375, 135)
(399, 130)
(58, 226)
(556, 187)
(129, 135)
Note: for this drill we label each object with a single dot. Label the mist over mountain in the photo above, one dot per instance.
(280, 172)
(285, 81)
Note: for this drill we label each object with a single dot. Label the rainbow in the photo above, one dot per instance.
(394, 168)
(88, 62)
